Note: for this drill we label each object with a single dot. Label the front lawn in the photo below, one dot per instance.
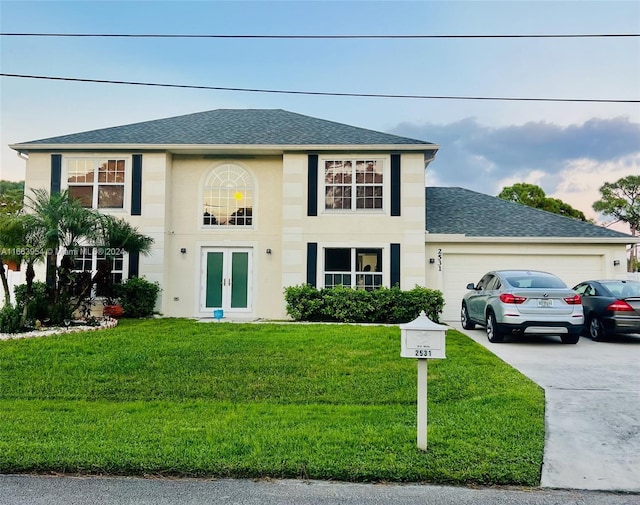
(178, 397)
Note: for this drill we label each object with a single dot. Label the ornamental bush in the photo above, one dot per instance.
(138, 297)
(347, 305)
(10, 319)
(39, 305)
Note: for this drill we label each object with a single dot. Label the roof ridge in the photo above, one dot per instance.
(231, 127)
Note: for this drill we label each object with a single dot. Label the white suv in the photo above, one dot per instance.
(527, 302)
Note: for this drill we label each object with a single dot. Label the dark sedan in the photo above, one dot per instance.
(610, 307)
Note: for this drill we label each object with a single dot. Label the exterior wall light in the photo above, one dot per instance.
(616, 263)
(183, 250)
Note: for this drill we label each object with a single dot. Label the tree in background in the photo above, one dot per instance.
(621, 199)
(11, 239)
(534, 196)
(11, 196)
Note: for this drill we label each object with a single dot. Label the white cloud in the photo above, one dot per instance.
(579, 182)
(535, 177)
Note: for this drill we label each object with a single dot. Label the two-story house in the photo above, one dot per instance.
(243, 203)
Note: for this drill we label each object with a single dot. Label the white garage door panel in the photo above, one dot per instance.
(458, 270)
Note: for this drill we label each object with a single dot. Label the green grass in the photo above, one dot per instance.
(177, 397)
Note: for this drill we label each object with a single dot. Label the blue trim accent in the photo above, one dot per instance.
(395, 265)
(136, 185)
(312, 263)
(134, 264)
(56, 173)
(395, 184)
(312, 185)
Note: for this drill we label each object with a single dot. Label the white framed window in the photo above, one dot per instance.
(228, 196)
(359, 268)
(90, 259)
(353, 184)
(99, 183)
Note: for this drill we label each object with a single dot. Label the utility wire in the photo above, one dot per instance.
(220, 36)
(318, 93)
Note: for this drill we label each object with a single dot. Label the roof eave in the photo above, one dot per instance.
(457, 238)
(208, 148)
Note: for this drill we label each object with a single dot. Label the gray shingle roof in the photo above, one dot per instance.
(466, 212)
(233, 127)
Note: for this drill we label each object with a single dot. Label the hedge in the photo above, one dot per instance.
(347, 305)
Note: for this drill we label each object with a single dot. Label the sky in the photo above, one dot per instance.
(568, 148)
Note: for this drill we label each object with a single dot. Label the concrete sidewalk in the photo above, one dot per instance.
(592, 392)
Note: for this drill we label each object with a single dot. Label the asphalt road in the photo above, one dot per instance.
(592, 392)
(39, 490)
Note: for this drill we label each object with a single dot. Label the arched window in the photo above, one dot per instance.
(228, 197)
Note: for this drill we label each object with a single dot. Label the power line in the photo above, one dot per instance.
(221, 36)
(318, 93)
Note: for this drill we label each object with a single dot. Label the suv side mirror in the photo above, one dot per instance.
(471, 286)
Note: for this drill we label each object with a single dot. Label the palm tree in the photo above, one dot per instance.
(62, 225)
(117, 235)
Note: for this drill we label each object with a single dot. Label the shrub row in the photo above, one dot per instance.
(346, 305)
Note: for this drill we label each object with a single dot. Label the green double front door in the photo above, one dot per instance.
(227, 279)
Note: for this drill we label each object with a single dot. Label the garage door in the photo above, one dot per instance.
(458, 270)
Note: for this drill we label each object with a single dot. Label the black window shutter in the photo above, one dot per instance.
(136, 185)
(312, 262)
(56, 180)
(134, 264)
(312, 185)
(395, 184)
(56, 173)
(395, 265)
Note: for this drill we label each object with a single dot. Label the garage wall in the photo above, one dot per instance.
(457, 264)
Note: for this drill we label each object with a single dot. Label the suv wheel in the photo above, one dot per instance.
(493, 333)
(467, 324)
(570, 339)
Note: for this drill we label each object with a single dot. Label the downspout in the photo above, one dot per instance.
(23, 156)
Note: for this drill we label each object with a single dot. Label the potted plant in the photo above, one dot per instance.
(112, 308)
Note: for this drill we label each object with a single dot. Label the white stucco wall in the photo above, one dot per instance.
(349, 229)
(152, 220)
(183, 272)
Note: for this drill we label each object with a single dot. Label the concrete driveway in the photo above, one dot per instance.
(592, 392)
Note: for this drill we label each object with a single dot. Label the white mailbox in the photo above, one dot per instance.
(422, 338)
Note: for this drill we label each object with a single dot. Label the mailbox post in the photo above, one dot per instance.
(422, 339)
